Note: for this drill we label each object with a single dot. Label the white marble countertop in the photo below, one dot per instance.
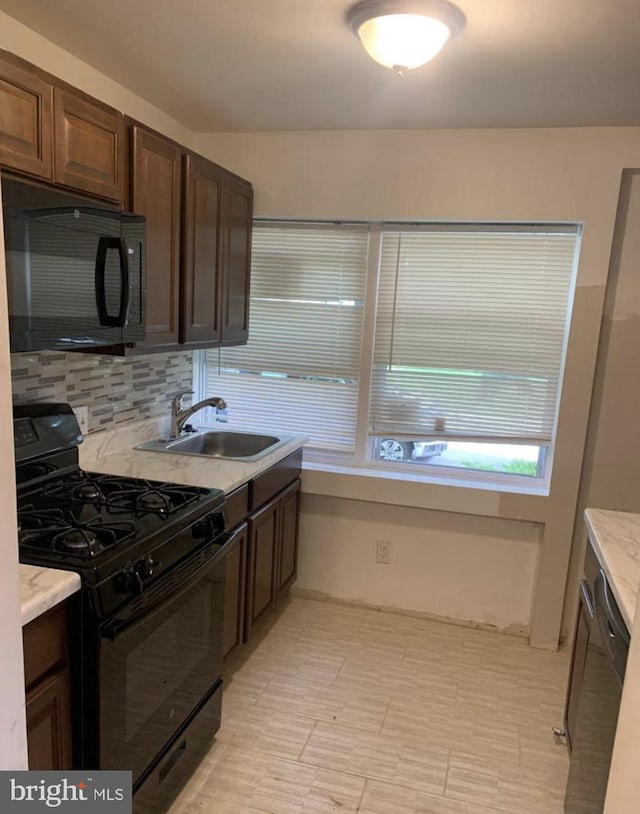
(43, 588)
(616, 541)
(112, 452)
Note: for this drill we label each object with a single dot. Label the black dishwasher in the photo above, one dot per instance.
(597, 698)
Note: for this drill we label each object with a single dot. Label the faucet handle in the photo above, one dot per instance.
(176, 401)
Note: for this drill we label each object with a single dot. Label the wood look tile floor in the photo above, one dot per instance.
(343, 709)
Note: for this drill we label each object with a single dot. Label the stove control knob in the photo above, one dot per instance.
(127, 582)
(146, 568)
(201, 530)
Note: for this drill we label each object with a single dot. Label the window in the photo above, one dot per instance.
(469, 342)
(299, 372)
(456, 362)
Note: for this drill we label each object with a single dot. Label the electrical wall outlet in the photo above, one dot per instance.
(440, 424)
(82, 414)
(383, 552)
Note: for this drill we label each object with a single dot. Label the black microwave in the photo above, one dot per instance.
(75, 269)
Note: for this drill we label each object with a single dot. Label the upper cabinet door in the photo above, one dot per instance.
(156, 193)
(201, 283)
(25, 120)
(89, 146)
(236, 216)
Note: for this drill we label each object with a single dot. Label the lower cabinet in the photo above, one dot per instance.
(48, 724)
(48, 706)
(262, 559)
(235, 591)
(273, 553)
(288, 510)
(576, 672)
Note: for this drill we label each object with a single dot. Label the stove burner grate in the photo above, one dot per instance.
(142, 497)
(120, 495)
(61, 531)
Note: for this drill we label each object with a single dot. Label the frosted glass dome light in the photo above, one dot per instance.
(404, 34)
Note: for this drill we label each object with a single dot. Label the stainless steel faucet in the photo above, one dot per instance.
(179, 416)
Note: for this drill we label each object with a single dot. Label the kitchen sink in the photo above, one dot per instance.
(229, 444)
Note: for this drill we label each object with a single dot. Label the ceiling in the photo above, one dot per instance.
(248, 65)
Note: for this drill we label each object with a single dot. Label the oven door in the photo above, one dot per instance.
(156, 667)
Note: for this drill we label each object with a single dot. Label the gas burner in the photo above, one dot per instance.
(76, 488)
(76, 541)
(153, 501)
(88, 491)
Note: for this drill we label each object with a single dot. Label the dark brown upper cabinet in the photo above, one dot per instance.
(201, 278)
(218, 214)
(156, 189)
(89, 143)
(236, 216)
(25, 120)
(198, 215)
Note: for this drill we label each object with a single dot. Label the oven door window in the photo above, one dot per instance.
(155, 672)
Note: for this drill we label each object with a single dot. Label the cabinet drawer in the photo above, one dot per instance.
(237, 506)
(275, 479)
(45, 644)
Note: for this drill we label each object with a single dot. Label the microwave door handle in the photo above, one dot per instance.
(105, 244)
(123, 314)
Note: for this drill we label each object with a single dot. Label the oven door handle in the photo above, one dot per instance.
(117, 626)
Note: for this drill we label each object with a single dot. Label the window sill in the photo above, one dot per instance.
(462, 495)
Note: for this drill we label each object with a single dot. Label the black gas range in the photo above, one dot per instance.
(146, 627)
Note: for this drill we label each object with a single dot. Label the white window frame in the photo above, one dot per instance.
(361, 459)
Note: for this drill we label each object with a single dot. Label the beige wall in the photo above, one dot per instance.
(530, 175)
(435, 558)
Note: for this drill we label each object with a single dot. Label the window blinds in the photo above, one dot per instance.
(299, 371)
(470, 331)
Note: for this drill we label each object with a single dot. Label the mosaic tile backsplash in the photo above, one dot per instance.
(115, 389)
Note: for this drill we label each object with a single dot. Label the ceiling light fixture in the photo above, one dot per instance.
(404, 34)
